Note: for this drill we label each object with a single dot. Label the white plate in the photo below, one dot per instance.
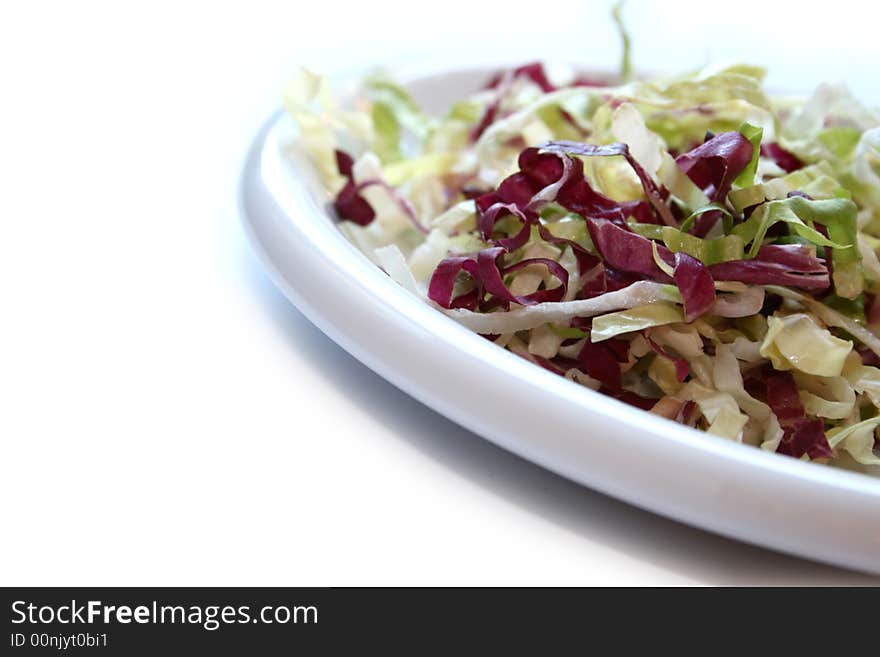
(735, 490)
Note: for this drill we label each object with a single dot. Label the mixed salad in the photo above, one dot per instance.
(690, 245)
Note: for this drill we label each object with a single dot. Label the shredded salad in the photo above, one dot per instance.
(690, 245)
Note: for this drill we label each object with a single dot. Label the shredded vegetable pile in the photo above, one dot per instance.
(690, 245)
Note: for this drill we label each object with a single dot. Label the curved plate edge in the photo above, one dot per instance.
(756, 508)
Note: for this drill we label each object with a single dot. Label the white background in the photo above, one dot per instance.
(166, 417)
